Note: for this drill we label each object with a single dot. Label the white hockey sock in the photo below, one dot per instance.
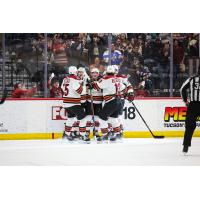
(68, 125)
(121, 121)
(96, 123)
(82, 126)
(103, 126)
(115, 124)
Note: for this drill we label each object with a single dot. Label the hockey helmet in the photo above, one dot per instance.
(110, 69)
(73, 70)
(116, 69)
(81, 69)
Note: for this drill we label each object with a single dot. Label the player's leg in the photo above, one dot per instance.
(107, 110)
(113, 120)
(120, 117)
(103, 122)
(97, 110)
(190, 125)
(89, 122)
(75, 129)
(69, 123)
(81, 116)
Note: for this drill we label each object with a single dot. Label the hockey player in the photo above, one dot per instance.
(94, 105)
(111, 88)
(127, 93)
(84, 79)
(72, 89)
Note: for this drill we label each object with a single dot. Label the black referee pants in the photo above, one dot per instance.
(193, 111)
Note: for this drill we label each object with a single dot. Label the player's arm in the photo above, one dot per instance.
(63, 85)
(129, 90)
(77, 86)
(129, 87)
(98, 85)
(184, 88)
(49, 81)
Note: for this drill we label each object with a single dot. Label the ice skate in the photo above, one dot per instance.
(113, 137)
(70, 137)
(64, 136)
(85, 138)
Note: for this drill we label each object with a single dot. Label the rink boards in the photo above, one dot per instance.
(44, 118)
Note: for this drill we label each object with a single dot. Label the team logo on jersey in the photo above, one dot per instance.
(58, 113)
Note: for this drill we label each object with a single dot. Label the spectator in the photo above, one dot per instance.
(20, 91)
(193, 51)
(193, 48)
(59, 57)
(157, 49)
(165, 54)
(178, 57)
(143, 76)
(141, 91)
(79, 48)
(96, 46)
(116, 56)
(118, 44)
(54, 87)
(97, 64)
(124, 65)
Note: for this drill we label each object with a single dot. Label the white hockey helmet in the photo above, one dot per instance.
(110, 69)
(116, 68)
(95, 70)
(73, 70)
(81, 69)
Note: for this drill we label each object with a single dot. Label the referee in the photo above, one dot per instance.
(190, 93)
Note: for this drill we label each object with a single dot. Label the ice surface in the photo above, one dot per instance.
(129, 152)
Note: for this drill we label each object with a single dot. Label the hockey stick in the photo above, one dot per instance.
(154, 136)
(92, 109)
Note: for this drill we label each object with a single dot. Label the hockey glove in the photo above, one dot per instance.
(89, 84)
(130, 97)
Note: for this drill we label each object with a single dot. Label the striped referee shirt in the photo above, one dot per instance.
(192, 84)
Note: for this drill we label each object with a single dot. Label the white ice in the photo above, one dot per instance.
(128, 152)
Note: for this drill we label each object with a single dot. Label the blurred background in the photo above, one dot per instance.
(157, 63)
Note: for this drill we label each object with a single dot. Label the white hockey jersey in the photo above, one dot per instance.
(84, 92)
(97, 96)
(72, 89)
(111, 86)
(125, 81)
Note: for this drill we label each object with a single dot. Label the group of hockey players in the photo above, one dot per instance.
(94, 103)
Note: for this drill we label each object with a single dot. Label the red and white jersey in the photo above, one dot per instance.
(97, 96)
(84, 92)
(72, 89)
(111, 87)
(124, 79)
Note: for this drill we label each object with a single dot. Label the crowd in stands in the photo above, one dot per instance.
(143, 57)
